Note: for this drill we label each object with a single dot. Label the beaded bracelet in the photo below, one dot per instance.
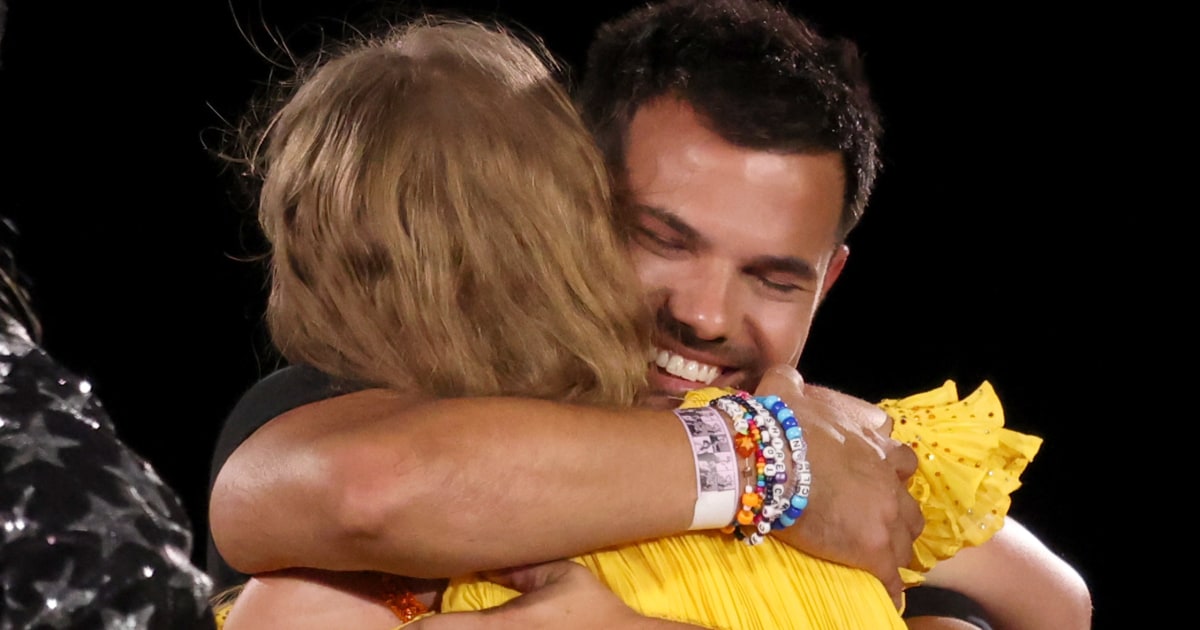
(758, 437)
(746, 446)
(776, 468)
(801, 468)
(776, 450)
(766, 432)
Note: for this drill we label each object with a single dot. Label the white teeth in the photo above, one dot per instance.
(676, 365)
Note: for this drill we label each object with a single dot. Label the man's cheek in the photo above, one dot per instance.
(651, 270)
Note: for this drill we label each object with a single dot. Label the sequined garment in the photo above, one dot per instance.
(90, 537)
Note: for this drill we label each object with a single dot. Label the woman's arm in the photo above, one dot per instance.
(306, 599)
(556, 595)
(1019, 582)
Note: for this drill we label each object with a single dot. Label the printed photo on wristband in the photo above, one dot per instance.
(716, 466)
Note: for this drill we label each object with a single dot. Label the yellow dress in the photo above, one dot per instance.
(968, 466)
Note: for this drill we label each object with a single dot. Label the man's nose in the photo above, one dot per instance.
(705, 303)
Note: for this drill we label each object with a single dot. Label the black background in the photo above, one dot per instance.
(980, 256)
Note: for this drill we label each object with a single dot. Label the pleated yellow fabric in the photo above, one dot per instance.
(969, 464)
(712, 580)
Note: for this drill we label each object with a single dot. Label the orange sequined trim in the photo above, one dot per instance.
(402, 602)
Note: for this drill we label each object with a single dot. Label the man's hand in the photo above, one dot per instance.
(560, 595)
(860, 513)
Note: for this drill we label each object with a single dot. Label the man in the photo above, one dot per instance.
(744, 147)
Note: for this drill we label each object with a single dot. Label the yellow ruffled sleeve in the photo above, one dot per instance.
(968, 465)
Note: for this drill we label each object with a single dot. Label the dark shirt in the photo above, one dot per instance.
(294, 386)
(931, 601)
(273, 396)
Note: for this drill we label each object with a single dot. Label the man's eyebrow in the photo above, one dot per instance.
(673, 221)
(784, 264)
(798, 267)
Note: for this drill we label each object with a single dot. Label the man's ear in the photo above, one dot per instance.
(834, 271)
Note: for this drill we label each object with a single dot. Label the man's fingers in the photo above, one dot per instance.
(910, 513)
(781, 379)
(902, 545)
(903, 459)
(895, 588)
(889, 576)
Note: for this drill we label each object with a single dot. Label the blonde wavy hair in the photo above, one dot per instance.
(440, 220)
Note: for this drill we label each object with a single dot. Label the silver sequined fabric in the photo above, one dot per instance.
(90, 537)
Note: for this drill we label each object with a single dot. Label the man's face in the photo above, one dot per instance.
(734, 247)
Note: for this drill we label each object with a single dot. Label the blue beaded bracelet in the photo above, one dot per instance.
(801, 470)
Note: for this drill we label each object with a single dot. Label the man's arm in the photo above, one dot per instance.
(375, 481)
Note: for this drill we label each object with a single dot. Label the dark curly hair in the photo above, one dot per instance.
(760, 76)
